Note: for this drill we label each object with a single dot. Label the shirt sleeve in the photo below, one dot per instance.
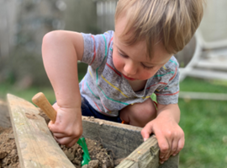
(96, 48)
(169, 93)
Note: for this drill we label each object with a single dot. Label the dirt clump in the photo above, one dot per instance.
(100, 157)
(8, 151)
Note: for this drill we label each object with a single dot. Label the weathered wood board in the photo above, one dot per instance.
(122, 139)
(126, 142)
(147, 156)
(37, 148)
(4, 115)
(35, 145)
(203, 96)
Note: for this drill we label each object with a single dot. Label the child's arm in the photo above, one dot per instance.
(165, 126)
(61, 50)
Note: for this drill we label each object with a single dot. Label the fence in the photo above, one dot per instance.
(105, 14)
(7, 17)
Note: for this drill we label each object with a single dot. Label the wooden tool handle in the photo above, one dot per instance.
(41, 101)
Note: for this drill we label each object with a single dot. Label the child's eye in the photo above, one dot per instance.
(146, 67)
(123, 55)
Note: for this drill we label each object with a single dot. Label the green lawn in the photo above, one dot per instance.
(203, 122)
(27, 94)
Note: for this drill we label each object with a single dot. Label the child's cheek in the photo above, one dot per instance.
(146, 75)
(117, 63)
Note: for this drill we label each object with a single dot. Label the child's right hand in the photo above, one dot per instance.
(67, 128)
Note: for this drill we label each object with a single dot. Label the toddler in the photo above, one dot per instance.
(126, 67)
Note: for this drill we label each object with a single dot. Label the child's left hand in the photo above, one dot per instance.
(169, 134)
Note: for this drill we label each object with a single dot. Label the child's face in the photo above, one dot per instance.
(133, 61)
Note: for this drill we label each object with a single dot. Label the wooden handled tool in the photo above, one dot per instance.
(41, 101)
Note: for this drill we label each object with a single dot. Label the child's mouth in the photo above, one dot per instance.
(128, 77)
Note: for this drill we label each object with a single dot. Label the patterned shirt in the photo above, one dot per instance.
(108, 91)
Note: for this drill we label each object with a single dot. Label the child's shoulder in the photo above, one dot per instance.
(105, 37)
(172, 64)
(109, 33)
(168, 71)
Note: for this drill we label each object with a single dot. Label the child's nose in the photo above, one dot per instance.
(130, 68)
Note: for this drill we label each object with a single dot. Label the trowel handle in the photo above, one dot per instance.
(41, 101)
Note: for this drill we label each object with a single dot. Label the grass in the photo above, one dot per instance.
(197, 85)
(203, 122)
(27, 93)
(204, 125)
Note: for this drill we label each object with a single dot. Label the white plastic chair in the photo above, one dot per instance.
(210, 56)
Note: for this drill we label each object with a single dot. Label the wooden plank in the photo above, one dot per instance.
(220, 65)
(35, 145)
(147, 156)
(126, 142)
(207, 74)
(122, 139)
(4, 119)
(203, 96)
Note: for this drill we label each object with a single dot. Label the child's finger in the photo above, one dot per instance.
(163, 143)
(174, 146)
(146, 131)
(59, 135)
(165, 151)
(55, 106)
(180, 146)
(65, 140)
(164, 146)
(72, 142)
(53, 128)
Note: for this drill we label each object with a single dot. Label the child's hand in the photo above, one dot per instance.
(169, 135)
(67, 128)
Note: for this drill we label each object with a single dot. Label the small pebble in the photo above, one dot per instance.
(93, 164)
(85, 166)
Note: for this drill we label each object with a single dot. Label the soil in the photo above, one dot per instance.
(100, 157)
(8, 151)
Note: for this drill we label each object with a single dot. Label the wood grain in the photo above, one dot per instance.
(126, 142)
(35, 144)
(122, 139)
(4, 115)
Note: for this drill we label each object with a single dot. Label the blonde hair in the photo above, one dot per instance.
(172, 22)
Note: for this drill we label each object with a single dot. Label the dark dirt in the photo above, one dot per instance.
(8, 151)
(100, 157)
